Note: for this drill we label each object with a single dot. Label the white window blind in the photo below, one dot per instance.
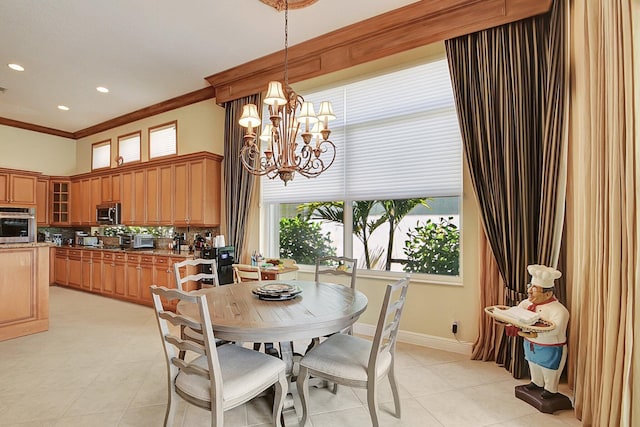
(129, 148)
(397, 137)
(101, 155)
(162, 141)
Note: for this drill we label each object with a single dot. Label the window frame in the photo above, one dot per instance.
(270, 210)
(99, 144)
(174, 124)
(127, 136)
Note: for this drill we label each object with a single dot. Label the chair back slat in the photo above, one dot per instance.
(336, 267)
(189, 274)
(189, 368)
(389, 321)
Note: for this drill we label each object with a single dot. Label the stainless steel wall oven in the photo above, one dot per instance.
(17, 225)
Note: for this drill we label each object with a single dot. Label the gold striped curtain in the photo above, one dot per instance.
(508, 83)
(603, 212)
(238, 183)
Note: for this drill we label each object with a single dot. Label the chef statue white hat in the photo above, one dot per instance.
(543, 276)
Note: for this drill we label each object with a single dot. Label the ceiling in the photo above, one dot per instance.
(143, 51)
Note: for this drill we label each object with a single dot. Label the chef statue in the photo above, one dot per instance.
(546, 352)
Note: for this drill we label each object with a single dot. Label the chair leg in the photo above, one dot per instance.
(372, 401)
(281, 388)
(170, 413)
(302, 384)
(394, 390)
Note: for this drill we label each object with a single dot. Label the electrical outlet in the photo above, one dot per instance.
(454, 327)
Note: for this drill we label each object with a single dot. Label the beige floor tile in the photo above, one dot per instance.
(102, 364)
(105, 419)
(147, 416)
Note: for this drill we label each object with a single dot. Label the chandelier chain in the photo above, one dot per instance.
(286, 43)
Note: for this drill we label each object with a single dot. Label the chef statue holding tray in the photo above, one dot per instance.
(546, 352)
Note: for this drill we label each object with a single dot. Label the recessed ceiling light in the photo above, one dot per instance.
(16, 67)
(102, 89)
(63, 107)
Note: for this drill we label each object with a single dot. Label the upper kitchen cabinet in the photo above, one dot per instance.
(160, 185)
(42, 200)
(197, 191)
(133, 197)
(18, 188)
(60, 201)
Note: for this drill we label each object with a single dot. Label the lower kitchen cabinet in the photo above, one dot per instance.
(108, 273)
(133, 276)
(75, 268)
(96, 271)
(146, 278)
(61, 268)
(122, 275)
(119, 273)
(87, 267)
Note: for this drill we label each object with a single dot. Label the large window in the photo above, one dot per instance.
(392, 197)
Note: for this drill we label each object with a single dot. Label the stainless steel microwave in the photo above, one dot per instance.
(17, 225)
(108, 214)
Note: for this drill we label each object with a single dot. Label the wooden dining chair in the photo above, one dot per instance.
(189, 275)
(358, 362)
(219, 378)
(246, 273)
(252, 273)
(338, 269)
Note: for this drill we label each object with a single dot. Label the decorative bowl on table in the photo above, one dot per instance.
(276, 291)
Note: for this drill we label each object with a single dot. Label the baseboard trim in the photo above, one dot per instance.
(423, 340)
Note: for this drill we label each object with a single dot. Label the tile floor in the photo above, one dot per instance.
(101, 364)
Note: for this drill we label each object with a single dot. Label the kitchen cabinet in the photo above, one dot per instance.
(119, 273)
(60, 202)
(42, 202)
(75, 268)
(146, 278)
(96, 199)
(133, 276)
(24, 294)
(159, 195)
(17, 189)
(197, 192)
(61, 269)
(152, 199)
(75, 211)
(87, 270)
(110, 188)
(108, 273)
(133, 197)
(163, 276)
(96, 270)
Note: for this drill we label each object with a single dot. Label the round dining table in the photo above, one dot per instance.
(238, 315)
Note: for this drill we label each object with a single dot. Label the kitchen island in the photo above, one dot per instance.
(24, 289)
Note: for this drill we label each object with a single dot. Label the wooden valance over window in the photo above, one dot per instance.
(399, 30)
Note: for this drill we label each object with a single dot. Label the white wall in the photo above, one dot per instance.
(38, 152)
(200, 128)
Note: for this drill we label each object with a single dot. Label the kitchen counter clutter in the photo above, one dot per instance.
(24, 289)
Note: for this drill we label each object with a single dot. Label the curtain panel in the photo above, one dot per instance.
(238, 183)
(509, 85)
(603, 212)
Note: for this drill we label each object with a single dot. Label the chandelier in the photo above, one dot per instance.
(276, 151)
